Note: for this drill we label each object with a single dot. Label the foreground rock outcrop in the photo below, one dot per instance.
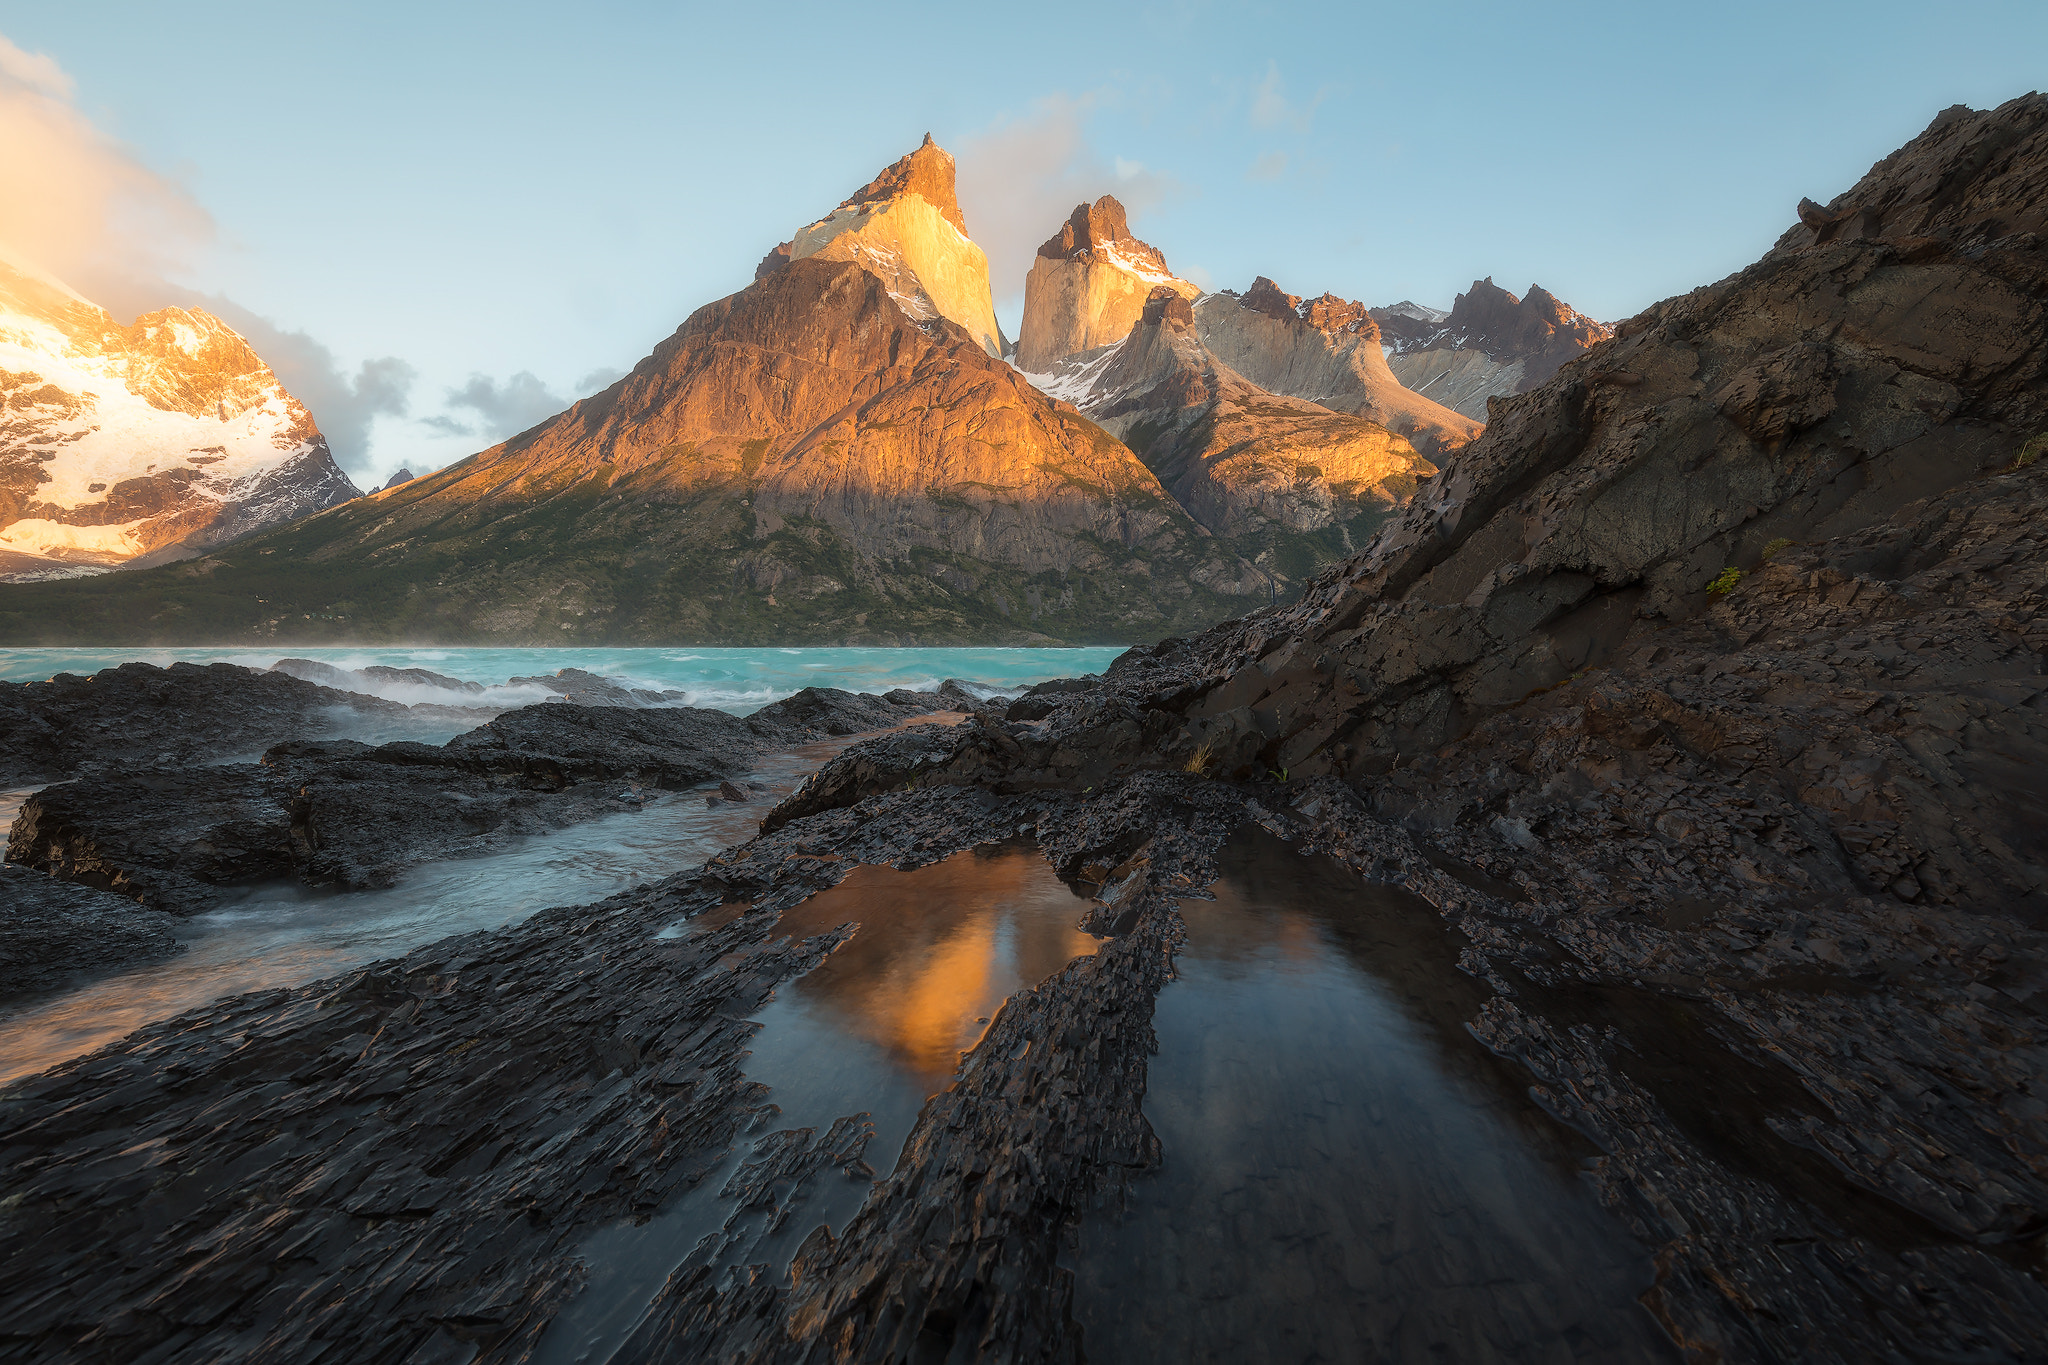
(1490, 345)
(180, 716)
(153, 441)
(1326, 350)
(345, 814)
(54, 932)
(1752, 879)
(1088, 285)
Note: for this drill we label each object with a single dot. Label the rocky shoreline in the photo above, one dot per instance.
(1700, 698)
(142, 824)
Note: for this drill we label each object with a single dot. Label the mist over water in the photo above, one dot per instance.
(736, 679)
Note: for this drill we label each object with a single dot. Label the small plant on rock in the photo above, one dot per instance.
(1772, 549)
(2034, 449)
(1202, 759)
(1724, 582)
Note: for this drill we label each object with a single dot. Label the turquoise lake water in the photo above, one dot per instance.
(729, 679)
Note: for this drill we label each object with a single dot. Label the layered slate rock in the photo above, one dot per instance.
(906, 228)
(1088, 285)
(349, 815)
(54, 933)
(1490, 345)
(139, 715)
(146, 442)
(1286, 483)
(1759, 875)
(1806, 1064)
(1326, 350)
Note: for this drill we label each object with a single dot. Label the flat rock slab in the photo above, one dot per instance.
(52, 932)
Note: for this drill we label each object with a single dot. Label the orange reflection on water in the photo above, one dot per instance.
(938, 951)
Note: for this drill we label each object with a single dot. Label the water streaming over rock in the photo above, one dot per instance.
(288, 935)
(868, 1035)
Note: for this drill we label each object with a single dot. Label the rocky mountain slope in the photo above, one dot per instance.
(1490, 345)
(905, 228)
(139, 444)
(1720, 656)
(1088, 285)
(1326, 350)
(810, 460)
(1287, 484)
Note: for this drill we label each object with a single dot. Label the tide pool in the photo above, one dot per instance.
(727, 679)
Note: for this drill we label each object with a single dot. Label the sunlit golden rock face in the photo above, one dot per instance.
(1255, 468)
(155, 439)
(1088, 285)
(809, 441)
(1327, 351)
(905, 227)
(814, 396)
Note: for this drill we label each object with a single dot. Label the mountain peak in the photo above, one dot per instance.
(1103, 228)
(1165, 306)
(1325, 313)
(927, 172)
(904, 227)
(1088, 286)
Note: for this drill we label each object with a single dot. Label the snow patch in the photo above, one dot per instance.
(56, 539)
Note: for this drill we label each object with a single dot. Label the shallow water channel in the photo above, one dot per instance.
(1347, 1174)
(288, 935)
(871, 1033)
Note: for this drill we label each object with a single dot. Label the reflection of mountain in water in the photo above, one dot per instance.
(939, 950)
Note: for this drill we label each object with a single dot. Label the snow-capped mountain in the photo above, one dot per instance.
(140, 444)
(1287, 483)
(1491, 344)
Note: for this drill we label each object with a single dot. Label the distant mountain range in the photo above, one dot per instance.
(1490, 345)
(140, 444)
(839, 453)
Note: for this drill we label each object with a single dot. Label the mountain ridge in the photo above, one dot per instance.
(1490, 345)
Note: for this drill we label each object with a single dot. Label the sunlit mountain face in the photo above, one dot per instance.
(140, 444)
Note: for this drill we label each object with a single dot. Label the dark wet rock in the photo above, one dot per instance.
(317, 671)
(589, 689)
(141, 714)
(54, 933)
(1774, 945)
(1797, 819)
(346, 814)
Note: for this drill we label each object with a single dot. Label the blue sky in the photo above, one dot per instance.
(442, 219)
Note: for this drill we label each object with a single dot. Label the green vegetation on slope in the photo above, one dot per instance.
(592, 563)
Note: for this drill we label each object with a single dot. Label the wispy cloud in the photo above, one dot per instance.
(77, 203)
(599, 379)
(503, 409)
(1271, 109)
(1021, 177)
(84, 207)
(1270, 166)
